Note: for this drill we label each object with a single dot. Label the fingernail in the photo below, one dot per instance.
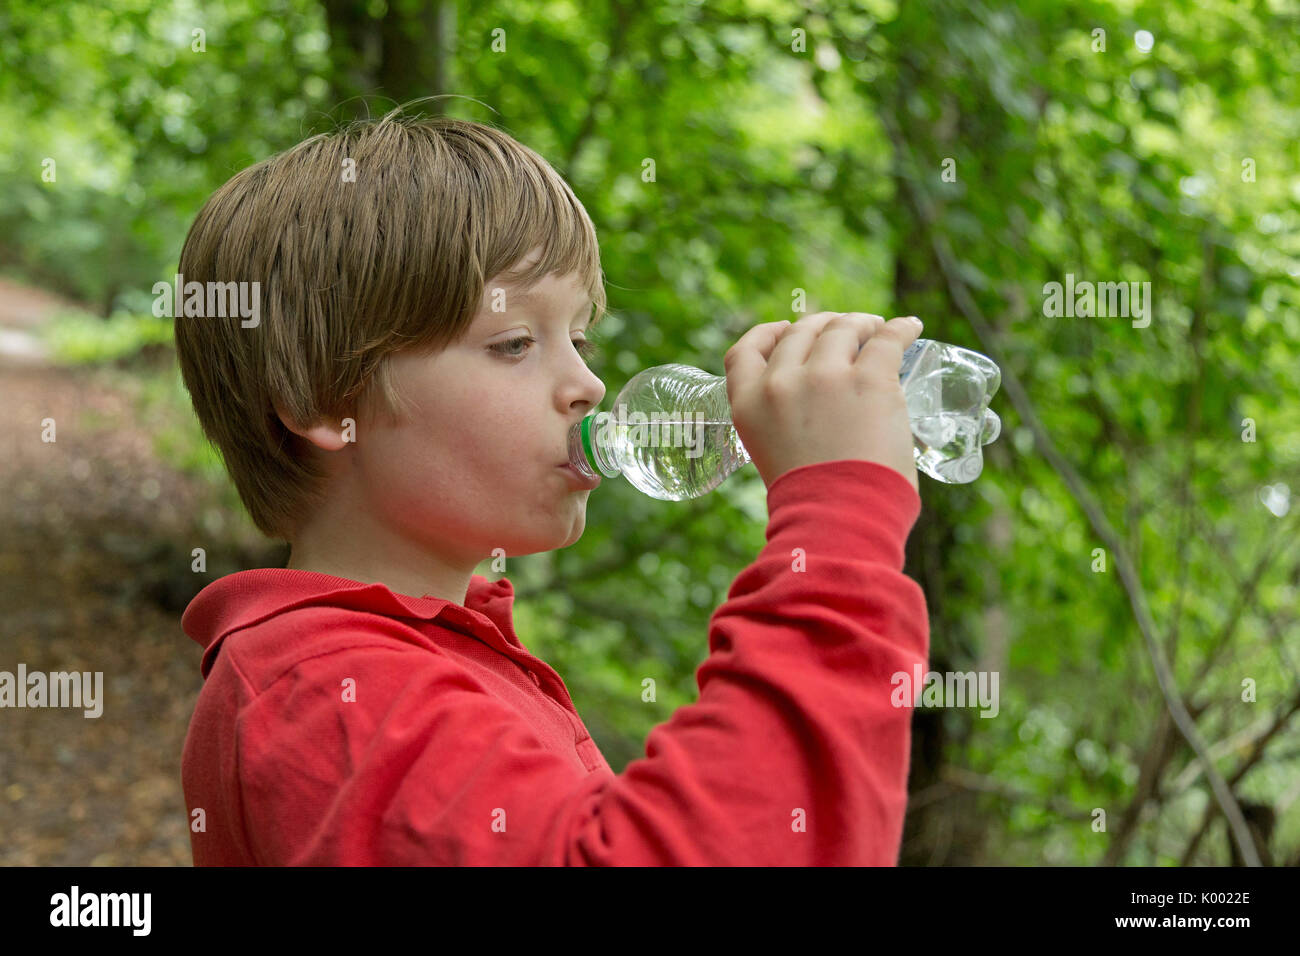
(917, 322)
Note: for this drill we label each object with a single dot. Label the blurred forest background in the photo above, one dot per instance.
(944, 159)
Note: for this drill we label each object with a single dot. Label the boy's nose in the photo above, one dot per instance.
(587, 394)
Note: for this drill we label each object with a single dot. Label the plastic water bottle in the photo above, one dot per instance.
(672, 437)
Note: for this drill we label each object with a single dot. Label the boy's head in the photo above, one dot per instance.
(399, 260)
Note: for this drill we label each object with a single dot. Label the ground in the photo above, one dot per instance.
(95, 542)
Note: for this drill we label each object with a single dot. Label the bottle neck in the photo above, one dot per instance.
(589, 450)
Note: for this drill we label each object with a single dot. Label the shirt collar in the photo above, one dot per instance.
(246, 598)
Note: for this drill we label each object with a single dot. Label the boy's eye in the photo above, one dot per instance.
(515, 348)
(510, 347)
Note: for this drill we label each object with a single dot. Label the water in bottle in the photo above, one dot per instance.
(672, 437)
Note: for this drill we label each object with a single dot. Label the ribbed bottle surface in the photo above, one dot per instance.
(683, 443)
(670, 431)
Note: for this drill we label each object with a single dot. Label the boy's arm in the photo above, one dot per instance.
(793, 754)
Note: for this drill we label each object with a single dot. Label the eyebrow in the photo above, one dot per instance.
(529, 297)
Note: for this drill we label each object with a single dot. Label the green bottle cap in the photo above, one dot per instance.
(586, 443)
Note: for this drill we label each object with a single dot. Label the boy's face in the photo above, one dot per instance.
(474, 462)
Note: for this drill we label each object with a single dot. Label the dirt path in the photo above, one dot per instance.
(95, 540)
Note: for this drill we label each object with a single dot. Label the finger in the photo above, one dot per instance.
(747, 359)
(843, 337)
(882, 356)
(792, 351)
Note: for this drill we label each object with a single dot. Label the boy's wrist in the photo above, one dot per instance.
(850, 507)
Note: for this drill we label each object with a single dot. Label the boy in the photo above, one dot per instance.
(400, 411)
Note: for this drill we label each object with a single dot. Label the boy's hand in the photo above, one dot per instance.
(821, 389)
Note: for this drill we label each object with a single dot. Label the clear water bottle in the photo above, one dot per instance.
(672, 437)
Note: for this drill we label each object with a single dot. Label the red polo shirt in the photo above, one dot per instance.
(343, 724)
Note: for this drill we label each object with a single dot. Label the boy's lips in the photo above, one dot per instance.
(580, 480)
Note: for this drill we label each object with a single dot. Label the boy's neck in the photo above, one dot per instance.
(396, 569)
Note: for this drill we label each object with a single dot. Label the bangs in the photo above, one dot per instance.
(530, 207)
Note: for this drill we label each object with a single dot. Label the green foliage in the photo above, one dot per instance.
(78, 338)
(779, 169)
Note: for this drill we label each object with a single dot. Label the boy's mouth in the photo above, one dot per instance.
(580, 480)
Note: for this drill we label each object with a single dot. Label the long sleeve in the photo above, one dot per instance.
(792, 755)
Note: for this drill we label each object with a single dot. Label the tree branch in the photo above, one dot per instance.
(1193, 425)
(1129, 577)
(1256, 753)
(618, 34)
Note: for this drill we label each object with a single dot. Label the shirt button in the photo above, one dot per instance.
(536, 680)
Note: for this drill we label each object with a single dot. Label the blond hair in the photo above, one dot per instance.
(354, 271)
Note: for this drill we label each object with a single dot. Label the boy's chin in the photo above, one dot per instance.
(571, 538)
(539, 545)
(574, 533)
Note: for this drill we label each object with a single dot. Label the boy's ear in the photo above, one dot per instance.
(324, 434)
